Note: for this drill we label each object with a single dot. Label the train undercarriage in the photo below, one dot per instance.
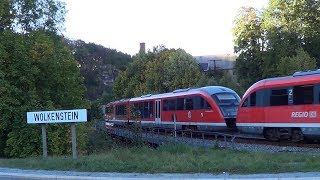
(278, 134)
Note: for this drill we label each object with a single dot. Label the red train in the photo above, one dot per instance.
(282, 108)
(209, 108)
(277, 108)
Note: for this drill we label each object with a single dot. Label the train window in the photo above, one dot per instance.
(109, 110)
(121, 111)
(142, 110)
(303, 94)
(140, 107)
(262, 97)
(145, 110)
(165, 105)
(253, 99)
(206, 105)
(150, 109)
(225, 98)
(188, 104)
(198, 102)
(279, 97)
(135, 112)
(180, 103)
(172, 104)
(245, 103)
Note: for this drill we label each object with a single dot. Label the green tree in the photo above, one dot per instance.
(249, 45)
(156, 81)
(6, 16)
(38, 72)
(159, 71)
(300, 62)
(291, 24)
(99, 66)
(181, 71)
(32, 15)
(277, 32)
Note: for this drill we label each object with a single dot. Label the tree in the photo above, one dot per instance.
(281, 29)
(181, 71)
(98, 65)
(38, 73)
(292, 24)
(6, 16)
(32, 15)
(160, 71)
(131, 82)
(300, 62)
(249, 45)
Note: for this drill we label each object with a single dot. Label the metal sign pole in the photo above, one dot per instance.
(74, 140)
(44, 141)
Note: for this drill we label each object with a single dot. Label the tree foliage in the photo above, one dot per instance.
(6, 17)
(248, 44)
(160, 71)
(300, 62)
(99, 66)
(38, 73)
(32, 15)
(278, 32)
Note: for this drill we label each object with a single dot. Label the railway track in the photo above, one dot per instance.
(230, 140)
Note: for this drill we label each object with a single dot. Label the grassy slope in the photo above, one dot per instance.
(174, 159)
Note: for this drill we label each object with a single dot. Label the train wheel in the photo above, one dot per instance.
(271, 134)
(297, 135)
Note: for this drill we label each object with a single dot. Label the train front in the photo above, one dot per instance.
(227, 101)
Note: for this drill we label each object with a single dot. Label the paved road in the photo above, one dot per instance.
(19, 174)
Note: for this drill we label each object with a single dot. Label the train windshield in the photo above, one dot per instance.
(228, 103)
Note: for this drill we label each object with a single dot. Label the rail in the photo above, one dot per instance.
(163, 135)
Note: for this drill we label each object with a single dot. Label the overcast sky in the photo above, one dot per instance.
(201, 27)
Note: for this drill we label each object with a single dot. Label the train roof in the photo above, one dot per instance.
(298, 78)
(121, 101)
(188, 91)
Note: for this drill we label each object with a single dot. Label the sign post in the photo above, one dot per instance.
(74, 140)
(63, 116)
(44, 141)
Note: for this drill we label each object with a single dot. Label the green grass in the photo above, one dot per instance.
(174, 159)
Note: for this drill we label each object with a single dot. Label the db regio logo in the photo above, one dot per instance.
(305, 114)
(312, 114)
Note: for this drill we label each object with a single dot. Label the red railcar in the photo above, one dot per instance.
(282, 108)
(206, 108)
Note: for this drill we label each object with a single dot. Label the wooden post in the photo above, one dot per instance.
(74, 140)
(175, 125)
(44, 141)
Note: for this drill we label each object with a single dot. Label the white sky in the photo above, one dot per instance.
(201, 27)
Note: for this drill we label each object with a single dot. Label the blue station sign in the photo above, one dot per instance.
(62, 116)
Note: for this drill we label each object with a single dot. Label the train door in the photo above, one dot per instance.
(197, 109)
(158, 111)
